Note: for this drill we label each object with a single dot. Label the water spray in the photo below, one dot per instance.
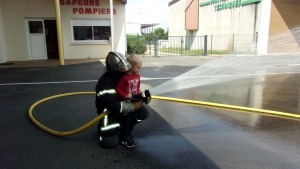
(229, 68)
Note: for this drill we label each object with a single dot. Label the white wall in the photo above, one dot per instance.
(133, 28)
(227, 21)
(264, 26)
(177, 19)
(224, 23)
(122, 45)
(14, 13)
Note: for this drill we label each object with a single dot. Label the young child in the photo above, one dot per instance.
(127, 86)
(130, 83)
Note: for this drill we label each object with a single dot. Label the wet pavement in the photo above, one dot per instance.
(175, 135)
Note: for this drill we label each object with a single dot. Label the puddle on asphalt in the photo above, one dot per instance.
(272, 92)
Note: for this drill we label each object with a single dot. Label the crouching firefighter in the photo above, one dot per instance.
(113, 125)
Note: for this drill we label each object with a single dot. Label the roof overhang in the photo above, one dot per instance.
(123, 1)
(148, 25)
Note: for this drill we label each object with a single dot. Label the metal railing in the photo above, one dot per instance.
(196, 45)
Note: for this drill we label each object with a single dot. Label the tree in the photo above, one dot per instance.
(136, 44)
(167, 33)
(159, 32)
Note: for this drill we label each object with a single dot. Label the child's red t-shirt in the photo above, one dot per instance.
(130, 83)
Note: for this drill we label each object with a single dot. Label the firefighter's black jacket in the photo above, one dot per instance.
(105, 99)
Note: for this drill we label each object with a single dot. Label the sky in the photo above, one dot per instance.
(148, 11)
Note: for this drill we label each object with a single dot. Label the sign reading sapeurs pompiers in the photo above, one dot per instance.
(227, 4)
(88, 7)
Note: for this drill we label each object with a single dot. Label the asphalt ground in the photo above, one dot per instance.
(175, 135)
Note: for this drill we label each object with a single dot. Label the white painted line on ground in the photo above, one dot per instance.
(38, 83)
(294, 65)
(145, 78)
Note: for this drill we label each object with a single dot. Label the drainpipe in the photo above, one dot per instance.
(112, 26)
(59, 33)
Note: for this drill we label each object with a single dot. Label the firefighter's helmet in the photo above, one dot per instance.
(116, 61)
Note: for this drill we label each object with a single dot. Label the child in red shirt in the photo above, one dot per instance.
(130, 83)
(127, 86)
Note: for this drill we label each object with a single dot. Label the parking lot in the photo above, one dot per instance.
(176, 135)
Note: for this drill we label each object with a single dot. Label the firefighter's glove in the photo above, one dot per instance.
(138, 104)
(136, 97)
(146, 96)
(127, 107)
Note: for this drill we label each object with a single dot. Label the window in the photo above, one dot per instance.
(91, 30)
(35, 26)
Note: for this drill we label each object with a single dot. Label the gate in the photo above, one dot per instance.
(181, 45)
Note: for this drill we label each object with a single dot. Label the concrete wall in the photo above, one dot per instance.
(222, 24)
(263, 25)
(177, 19)
(240, 28)
(15, 12)
(3, 53)
(239, 20)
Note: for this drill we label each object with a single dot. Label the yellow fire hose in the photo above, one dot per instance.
(67, 133)
(95, 120)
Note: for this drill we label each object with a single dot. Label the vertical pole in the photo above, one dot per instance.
(59, 34)
(112, 29)
(205, 45)
(211, 43)
(155, 46)
(181, 41)
(150, 39)
(153, 39)
(232, 42)
(138, 41)
(256, 37)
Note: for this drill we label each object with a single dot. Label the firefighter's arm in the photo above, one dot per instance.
(110, 100)
(128, 106)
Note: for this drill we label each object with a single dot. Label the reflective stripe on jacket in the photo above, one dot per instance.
(103, 92)
(109, 127)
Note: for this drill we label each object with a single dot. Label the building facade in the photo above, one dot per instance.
(64, 29)
(256, 26)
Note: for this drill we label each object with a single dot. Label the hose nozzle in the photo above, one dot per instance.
(147, 93)
(142, 96)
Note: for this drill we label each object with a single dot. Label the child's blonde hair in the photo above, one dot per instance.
(134, 59)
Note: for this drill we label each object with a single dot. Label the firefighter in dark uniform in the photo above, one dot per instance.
(107, 99)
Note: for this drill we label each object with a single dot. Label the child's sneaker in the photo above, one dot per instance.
(128, 143)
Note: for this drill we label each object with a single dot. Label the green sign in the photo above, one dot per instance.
(227, 4)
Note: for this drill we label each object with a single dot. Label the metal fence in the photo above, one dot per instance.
(180, 45)
(197, 45)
